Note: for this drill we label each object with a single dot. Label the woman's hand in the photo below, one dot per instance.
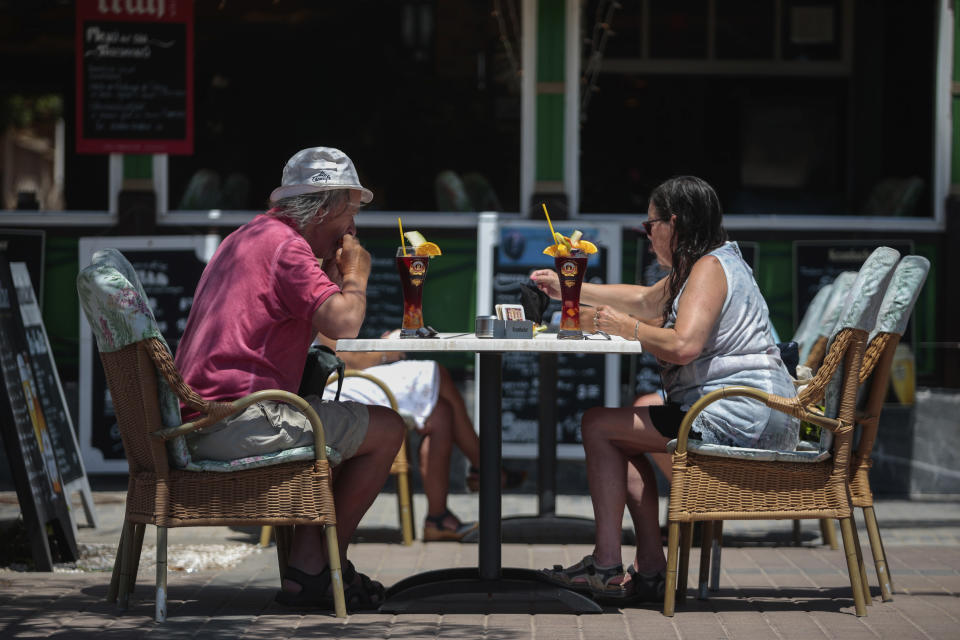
(613, 322)
(547, 281)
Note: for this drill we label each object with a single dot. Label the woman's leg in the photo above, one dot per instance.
(643, 502)
(435, 450)
(611, 437)
(663, 461)
(464, 434)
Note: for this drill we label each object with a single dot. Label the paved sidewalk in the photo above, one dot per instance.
(768, 590)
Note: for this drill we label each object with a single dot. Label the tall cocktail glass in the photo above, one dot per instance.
(413, 271)
(570, 269)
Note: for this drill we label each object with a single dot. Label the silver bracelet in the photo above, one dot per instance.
(636, 331)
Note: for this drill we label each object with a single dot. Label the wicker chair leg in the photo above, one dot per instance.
(706, 546)
(405, 507)
(670, 590)
(126, 566)
(879, 556)
(864, 583)
(850, 550)
(161, 607)
(683, 570)
(138, 531)
(829, 534)
(266, 532)
(336, 573)
(715, 556)
(284, 536)
(114, 589)
(797, 541)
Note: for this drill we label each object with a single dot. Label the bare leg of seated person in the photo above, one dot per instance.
(664, 461)
(356, 483)
(614, 439)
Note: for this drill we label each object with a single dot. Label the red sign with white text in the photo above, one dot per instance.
(134, 76)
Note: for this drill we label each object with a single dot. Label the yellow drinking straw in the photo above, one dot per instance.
(403, 245)
(553, 234)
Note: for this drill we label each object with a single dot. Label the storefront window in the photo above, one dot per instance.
(822, 107)
(421, 95)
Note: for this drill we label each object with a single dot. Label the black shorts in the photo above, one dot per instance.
(666, 419)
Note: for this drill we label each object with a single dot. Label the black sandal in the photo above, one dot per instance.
(314, 589)
(439, 532)
(364, 594)
(638, 589)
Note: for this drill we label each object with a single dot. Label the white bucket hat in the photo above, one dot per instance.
(319, 169)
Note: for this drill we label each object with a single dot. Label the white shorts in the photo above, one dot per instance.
(415, 385)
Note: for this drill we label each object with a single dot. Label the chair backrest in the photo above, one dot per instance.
(895, 310)
(810, 323)
(828, 317)
(116, 307)
(901, 295)
(859, 313)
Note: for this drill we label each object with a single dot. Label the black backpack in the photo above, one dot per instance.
(322, 362)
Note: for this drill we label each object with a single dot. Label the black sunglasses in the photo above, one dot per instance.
(648, 224)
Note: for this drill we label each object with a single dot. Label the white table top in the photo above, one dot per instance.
(544, 342)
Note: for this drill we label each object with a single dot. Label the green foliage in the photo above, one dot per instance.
(21, 112)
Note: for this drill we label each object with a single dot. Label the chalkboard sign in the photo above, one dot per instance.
(28, 441)
(581, 378)
(135, 77)
(817, 263)
(29, 247)
(384, 298)
(169, 267)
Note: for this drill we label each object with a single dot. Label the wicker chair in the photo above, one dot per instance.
(895, 311)
(400, 468)
(144, 385)
(714, 483)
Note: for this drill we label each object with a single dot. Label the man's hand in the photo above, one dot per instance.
(352, 260)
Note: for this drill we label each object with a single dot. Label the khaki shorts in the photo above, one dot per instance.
(267, 427)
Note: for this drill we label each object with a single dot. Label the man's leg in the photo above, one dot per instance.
(357, 481)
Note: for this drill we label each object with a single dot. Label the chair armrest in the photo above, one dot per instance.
(319, 438)
(357, 373)
(790, 406)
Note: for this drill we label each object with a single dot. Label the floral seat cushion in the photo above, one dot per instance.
(115, 303)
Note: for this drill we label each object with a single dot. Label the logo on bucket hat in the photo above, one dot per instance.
(319, 169)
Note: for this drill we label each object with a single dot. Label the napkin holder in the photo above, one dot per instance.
(513, 329)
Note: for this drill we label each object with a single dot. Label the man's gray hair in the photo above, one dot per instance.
(307, 208)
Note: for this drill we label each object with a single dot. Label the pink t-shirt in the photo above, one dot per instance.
(251, 322)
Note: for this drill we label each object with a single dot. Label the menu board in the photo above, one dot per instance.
(27, 439)
(169, 267)
(581, 378)
(384, 298)
(134, 77)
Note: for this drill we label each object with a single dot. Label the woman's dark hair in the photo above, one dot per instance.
(698, 228)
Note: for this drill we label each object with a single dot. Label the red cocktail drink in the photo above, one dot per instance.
(413, 271)
(571, 270)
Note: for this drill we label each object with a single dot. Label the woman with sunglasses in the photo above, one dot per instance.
(708, 326)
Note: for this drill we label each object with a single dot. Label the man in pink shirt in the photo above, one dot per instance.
(271, 286)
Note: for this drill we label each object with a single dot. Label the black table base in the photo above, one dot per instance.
(462, 591)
